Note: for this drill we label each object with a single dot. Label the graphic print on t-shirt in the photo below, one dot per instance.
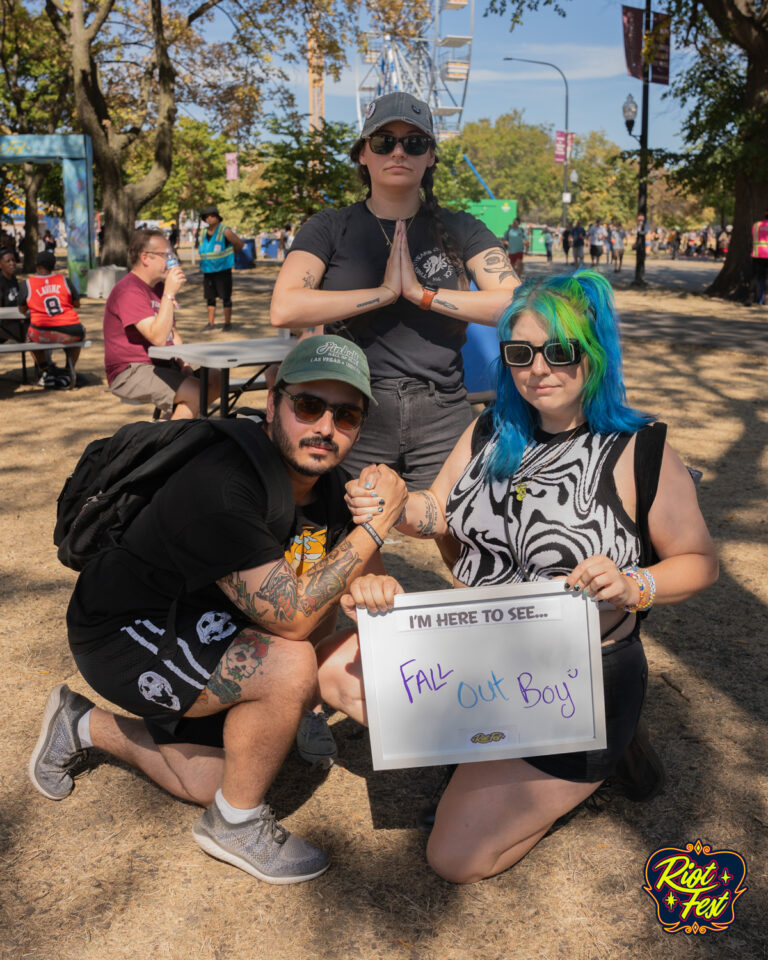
(306, 548)
(433, 265)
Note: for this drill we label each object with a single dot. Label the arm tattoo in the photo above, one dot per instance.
(446, 304)
(368, 303)
(278, 591)
(284, 595)
(495, 261)
(327, 579)
(309, 280)
(242, 659)
(426, 527)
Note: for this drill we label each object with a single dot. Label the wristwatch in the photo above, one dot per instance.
(427, 296)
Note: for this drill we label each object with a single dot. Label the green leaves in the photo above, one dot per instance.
(298, 171)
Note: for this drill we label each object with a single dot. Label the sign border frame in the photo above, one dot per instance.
(460, 597)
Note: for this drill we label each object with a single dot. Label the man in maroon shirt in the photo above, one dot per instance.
(139, 314)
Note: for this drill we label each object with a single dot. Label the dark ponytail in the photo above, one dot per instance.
(440, 234)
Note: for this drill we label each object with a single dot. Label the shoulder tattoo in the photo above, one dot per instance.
(496, 262)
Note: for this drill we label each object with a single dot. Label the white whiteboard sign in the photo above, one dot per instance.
(455, 676)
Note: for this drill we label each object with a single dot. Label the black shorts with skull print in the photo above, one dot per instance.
(135, 669)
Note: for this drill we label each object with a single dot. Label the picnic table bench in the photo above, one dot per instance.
(23, 348)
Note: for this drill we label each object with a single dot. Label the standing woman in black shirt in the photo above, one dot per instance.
(392, 273)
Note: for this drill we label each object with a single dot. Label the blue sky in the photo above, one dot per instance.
(588, 47)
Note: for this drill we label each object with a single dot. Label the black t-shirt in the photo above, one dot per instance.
(399, 340)
(9, 291)
(205, 522)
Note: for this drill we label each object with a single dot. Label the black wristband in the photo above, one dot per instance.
(372, 533)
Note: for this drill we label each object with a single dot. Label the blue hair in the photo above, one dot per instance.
(577, 306)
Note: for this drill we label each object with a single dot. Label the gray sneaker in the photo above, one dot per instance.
(58, 752)
(261, 847)
(314, 739)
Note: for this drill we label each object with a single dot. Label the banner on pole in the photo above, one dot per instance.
(233, 172)
(632, 20)
(560, 146)
(660, 40)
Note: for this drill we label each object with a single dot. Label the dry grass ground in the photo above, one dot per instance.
(112, 871)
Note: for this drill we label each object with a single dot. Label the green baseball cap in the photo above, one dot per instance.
(327, 358)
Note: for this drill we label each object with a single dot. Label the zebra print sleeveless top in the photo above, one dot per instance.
(570, 511)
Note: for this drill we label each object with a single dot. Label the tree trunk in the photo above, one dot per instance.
(734, 280)
(751, 189)
(33, 177)
(119, 215)
(121, 201)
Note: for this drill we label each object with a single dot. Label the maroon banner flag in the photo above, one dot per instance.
(660, 48)
(632, 19)
(560, 145)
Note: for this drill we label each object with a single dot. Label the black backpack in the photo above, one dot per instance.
(117, 476)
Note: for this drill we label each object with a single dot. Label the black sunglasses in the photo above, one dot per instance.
(520, 353)
(414, 144)
(309, 408)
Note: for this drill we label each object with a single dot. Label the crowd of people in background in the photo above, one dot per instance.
(606, 242)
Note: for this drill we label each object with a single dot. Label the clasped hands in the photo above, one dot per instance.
(400, 278)
(377, 492)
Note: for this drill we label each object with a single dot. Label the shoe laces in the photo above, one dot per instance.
(268, 823)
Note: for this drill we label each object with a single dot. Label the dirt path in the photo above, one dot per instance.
(112, 871)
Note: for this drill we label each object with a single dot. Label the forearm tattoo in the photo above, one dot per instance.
(243, 658)
(327, 579)
(368, 303)
(309, 280)
(281, 595)
(446, 304)
(427, 526)
(496, 262)
(275, 599)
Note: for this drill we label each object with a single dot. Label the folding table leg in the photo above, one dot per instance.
(203, 392)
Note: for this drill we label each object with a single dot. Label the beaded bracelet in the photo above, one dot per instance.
(645, 581)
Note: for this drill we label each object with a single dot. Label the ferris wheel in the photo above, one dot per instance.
(433, 66)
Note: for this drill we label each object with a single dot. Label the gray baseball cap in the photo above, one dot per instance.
(327, 357)
(397, 106)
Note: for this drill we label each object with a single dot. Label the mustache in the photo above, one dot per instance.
(319, 441)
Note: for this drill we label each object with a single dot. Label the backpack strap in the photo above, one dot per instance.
(482, 431)
(649, 451)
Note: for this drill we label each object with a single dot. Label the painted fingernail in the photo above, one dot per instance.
(576, 589)
(381, 502)
(381, 510)
(369, 517)
(368, 484)
(566, 586)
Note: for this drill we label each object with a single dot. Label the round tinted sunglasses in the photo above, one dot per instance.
(414, 144)
(520, 353)
(309, 408)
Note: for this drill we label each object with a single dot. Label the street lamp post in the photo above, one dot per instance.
(546, 63)
(630, 113)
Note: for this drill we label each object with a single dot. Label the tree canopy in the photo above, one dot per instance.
(298, 171)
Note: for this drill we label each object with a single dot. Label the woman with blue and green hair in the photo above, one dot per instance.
(560, 479)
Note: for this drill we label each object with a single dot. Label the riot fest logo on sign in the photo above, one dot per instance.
(695, 889)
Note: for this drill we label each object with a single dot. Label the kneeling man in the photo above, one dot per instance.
(200, 622)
